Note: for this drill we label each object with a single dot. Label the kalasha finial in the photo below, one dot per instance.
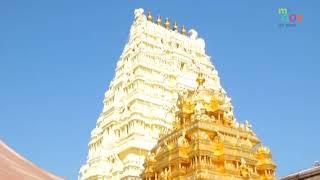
(200, 79)
(175, 27)
(149, 16)
(167, 23)
(183, 30)
(159, 20)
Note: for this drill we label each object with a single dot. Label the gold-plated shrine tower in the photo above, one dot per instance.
(207, 144)
(160, 60)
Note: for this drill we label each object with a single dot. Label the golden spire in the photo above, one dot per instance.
(200, 79)
(183, 30)
(149, 17)
(167, 23)
(159, 20)
(175, 27)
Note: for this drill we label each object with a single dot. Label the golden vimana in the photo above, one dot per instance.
(167, 117)
(206, 144)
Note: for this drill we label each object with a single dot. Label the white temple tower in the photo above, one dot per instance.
(156, 62)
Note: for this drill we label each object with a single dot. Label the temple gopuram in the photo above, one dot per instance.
(206, 143)
(158, 102)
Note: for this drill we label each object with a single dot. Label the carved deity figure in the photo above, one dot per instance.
(244, 170)
(151, 157)
(182, 139)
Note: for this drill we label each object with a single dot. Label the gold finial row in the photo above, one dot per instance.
(167, 24)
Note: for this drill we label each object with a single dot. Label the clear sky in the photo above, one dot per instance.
(58, 57)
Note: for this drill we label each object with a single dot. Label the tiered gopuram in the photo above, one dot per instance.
(158, 61)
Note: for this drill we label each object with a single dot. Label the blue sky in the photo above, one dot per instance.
(58, 57)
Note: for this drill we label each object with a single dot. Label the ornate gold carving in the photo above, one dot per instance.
(205, 138)
(244, 170)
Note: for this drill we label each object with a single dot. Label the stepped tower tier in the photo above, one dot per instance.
(207, 144)
(157, 62)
